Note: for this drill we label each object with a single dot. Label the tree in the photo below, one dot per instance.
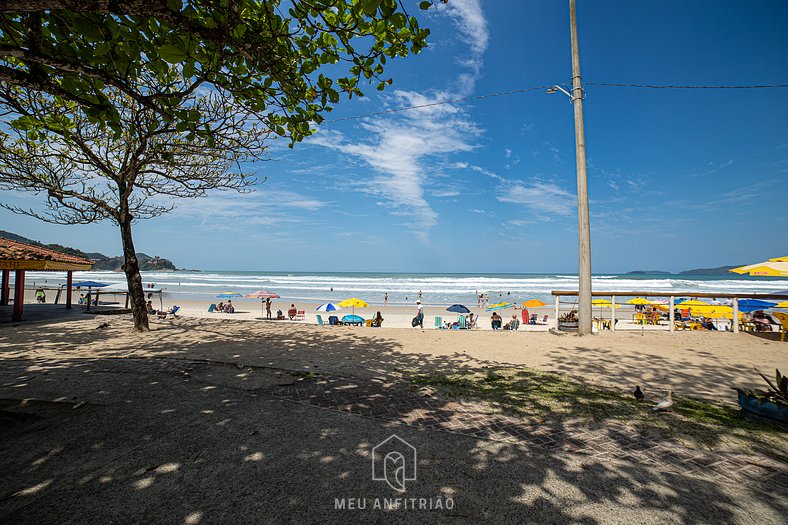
(90, 173)
(115, 90)
(268, 62)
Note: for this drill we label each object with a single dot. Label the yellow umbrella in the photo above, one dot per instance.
(777, 267)
(604, 302)
(533, 303)
(638, 300)
(692, 303)
(353, 302)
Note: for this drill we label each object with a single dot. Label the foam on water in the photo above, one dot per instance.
(404, 288)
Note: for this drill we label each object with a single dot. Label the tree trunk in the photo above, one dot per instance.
(131, 267)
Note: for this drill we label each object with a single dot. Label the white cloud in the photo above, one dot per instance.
(507, 153)
(540, 197)
(405, 149)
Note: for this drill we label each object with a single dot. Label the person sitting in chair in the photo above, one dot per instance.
(229, 308)
(149, 307)
(279, 315)
(514, 324)
(471, 321)
(292, 312)
(220, 308)
(378, 320)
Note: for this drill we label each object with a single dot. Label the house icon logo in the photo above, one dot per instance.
(394, 461)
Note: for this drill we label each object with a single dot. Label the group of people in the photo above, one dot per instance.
(496, 322)
(226, 308)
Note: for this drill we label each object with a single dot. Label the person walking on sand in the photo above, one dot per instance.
(420, 315)
(385, 298)
(268, 308)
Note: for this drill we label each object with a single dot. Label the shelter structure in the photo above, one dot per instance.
(21, 258)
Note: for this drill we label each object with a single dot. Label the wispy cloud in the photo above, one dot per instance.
(405, 150)
(540, 197)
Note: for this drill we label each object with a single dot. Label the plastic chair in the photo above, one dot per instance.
(300, 315)
(212, 308)
(783, 318)
(438, 321)
(319, 320)
(462, 323)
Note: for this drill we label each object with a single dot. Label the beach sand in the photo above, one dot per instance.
(700, 364)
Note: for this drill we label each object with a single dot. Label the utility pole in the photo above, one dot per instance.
(583, 221)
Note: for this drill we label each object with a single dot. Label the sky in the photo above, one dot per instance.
(678, 179)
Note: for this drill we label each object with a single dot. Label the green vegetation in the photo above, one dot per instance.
(546, 396)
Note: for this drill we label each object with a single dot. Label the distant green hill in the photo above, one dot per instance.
(721, 270)
(101, 261)
(647, 272)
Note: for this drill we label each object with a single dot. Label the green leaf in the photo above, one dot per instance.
(172, 54)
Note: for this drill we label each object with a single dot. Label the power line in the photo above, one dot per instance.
(655, 86)
(442, 102)
(525, 90)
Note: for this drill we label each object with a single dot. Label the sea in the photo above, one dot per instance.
(404, 288)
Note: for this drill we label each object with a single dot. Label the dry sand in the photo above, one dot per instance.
(702, 364)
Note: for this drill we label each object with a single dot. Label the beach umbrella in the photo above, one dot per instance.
(229, 295)
(777, 267)
(782, 304)
(349, 319)
(638, 300)
(690, 303)
(328, 307)
(88, 284)
(261, 294)
(750, 305)
(353, 302)
(533, 303)
(499, 306)
(605, 303)
(458, 309)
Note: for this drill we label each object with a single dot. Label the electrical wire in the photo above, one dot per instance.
(442, 102)
(525, 90)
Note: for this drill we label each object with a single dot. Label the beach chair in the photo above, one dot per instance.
(212, 308)
(368, 323)
(300, 315)
(783, 318)
(462, 323)
(544, 321)
(172, 311)
(319, 320)
(438, 321)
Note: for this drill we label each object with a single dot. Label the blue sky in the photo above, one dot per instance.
(678, 179)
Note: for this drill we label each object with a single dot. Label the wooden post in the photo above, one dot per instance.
(672, 314)
(613, 313)
(557, 302)
(69, 282)
(19, 295)
(735, 320)
(4, 288)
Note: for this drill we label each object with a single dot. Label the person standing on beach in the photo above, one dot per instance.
(268, 308)
(419, 295)
(420, 314)
(385, 298)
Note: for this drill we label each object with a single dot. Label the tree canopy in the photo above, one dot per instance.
(271, 58)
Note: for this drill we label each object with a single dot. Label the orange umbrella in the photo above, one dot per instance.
(533, 303)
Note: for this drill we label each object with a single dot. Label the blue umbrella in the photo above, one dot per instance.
(349, 319)
(328, 307)
(88, 284)
(458, 309)
(750, 305)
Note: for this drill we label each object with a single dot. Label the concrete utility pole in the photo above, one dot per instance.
(583, 222)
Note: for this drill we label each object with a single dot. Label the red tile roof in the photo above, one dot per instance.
(19, 251)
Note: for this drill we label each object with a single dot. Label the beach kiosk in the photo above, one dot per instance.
(20, 258)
